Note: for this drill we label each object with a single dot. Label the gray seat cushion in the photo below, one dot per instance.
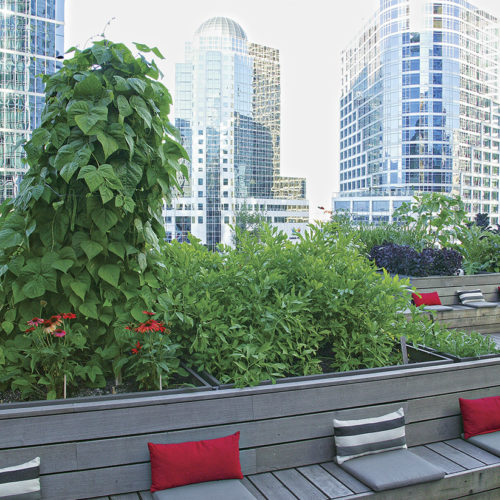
(489, 442)
(228, 489)
(438, 307)
(481, 304)
(392, 469)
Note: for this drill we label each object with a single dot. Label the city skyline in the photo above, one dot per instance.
(310, 43)
(227, 91)
(419, 109)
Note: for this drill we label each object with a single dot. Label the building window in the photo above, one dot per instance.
(200, 182)
(200, 220)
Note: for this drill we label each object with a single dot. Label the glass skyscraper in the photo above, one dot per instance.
(31, 43)
(227, 108)
(419, 109)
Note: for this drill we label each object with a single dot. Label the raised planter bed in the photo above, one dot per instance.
(192, 383)
(99, 448)
(459, 359)
(416, 355)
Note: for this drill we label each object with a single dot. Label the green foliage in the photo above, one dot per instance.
(368, 235)
(85, 232)
(153, 359)
(434, 217)
(249, 221)
(421, 329)
(480, 248)
(53, 351)
(269, 308)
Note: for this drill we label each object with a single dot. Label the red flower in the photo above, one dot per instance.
(148, 313)
(68, 315)
(49, 325)
(59, 333)
(35, 321)
(151, 325)
(30, 329)
(137, 348)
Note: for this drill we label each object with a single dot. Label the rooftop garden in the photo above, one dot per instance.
(91, 295)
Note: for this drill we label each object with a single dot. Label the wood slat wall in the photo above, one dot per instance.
(97, 448)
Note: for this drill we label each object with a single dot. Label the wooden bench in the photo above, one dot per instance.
(463, 317)
(98, 448)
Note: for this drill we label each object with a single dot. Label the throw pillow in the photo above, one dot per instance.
(194, 462)
(355, 438)
(467, 296)
(480, 416)
(21, 482)
(426, 299)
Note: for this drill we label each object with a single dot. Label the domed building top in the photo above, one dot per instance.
(221, 26)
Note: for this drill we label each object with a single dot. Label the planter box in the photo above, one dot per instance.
(99, 449)
(196, 381)
(458, 359)
(417, 358)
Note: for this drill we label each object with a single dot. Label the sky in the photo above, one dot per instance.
(309, 34)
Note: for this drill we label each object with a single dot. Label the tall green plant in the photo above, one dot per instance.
(435, 217)
(85, 232)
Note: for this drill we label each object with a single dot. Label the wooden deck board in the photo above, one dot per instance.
(438, 460)
(478, 453)
(126, 496)
(271, 487)
(252, 489)
(345, 478)
(457, 456)
(323, 480)
(299, 485)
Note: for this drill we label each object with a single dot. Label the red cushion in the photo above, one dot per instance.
(426, 299)
(480, 416)
(194, 462)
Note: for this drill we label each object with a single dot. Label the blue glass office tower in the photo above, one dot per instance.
(227, 99)
(419, 109)
(31, 43)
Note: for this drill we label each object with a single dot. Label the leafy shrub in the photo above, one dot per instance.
(85, 232)
(402, 259)
(481, 249)
(435, 218)
(268, 308)
(368, 235)
(421, 329)
(371, 235)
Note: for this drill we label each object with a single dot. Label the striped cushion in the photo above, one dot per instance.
(21, 482)
(355, 438)
(467, 296)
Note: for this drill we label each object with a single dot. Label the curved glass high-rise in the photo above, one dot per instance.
(31, 43)
(419, 108)
(227, 108)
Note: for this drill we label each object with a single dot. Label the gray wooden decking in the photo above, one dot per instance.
(98, 448)
(328, 481)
